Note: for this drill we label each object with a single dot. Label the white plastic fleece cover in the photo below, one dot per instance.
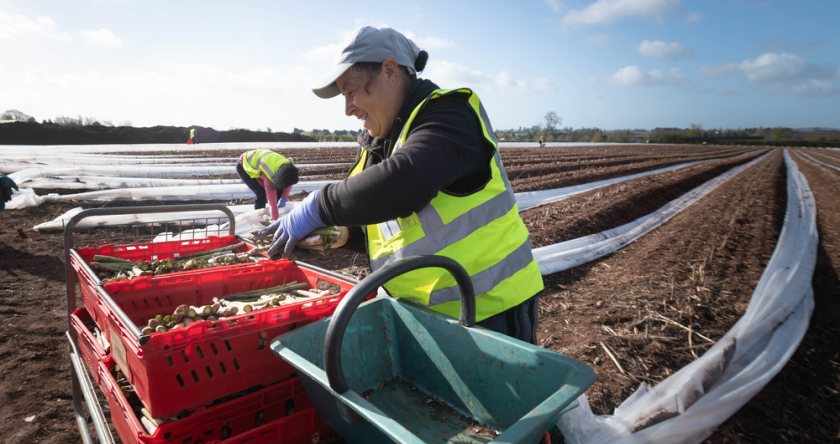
(687, 406)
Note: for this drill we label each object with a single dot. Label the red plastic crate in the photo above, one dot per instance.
(89, 348)
(183, 369)
(305, 427)
(155, 251)
(286, 400)
(158, 250)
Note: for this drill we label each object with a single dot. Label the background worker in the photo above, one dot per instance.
(192, 138)
(428, 180)
(267, 174)
(6, 187)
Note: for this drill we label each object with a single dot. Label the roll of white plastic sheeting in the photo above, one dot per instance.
(809, 157)
(530, 199)
(690, 404)
(22, 162)
(58, 223)
(173, 147)
(27, 198)
(111, 183)
(565, 255)
(22, 176)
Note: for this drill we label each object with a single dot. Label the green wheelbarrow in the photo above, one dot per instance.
(392, 371)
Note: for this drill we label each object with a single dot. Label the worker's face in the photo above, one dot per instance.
(372, 98)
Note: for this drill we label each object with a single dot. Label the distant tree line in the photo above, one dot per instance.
(19, 128)
(777, 136)
(551, 131)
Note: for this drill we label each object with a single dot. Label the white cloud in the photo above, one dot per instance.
(772, 66)
(430, 42)
(101, 37)
(608, 11)
(783, 73)
(328, 53)
(628, 75)
(324, 53)
(17, 27)
(663, 50)
(207, 94)
(633, 75)
(452, 75)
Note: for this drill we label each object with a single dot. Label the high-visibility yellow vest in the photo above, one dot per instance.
(482, 231)
(262, 161)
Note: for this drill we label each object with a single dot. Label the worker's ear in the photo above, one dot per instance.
(391, 70)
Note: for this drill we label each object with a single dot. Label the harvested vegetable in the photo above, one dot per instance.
(114, 269)
(322, 239)
(234, 304)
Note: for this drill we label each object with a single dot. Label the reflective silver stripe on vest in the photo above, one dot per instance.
(439, 235)
(488, 279)
(486, 120)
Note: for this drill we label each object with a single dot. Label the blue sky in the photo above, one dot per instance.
(251, 64)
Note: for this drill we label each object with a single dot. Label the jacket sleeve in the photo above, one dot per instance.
(444, 151)
(271, 198)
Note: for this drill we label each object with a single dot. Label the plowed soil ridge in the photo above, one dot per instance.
(618, 204)
(698, 270)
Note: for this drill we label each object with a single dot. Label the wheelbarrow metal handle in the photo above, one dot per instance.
(335, 331)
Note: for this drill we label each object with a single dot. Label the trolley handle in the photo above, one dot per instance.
(69, 244)
(338, 324)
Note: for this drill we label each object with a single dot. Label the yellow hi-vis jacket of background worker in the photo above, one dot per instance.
(261, 161)
(482, 231)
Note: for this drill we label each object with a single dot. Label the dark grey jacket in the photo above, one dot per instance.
(444, 151)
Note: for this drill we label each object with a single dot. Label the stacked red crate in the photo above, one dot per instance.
(185, 375)
(240, 420)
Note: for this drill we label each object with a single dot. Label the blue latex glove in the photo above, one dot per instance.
(281, 203)
(291, 228)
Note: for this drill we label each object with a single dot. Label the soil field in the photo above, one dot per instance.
(697, 270)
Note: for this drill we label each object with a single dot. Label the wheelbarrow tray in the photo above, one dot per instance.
(415, 375)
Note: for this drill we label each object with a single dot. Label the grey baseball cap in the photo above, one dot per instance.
(369, 44)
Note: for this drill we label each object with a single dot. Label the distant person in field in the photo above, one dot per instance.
(267, 174)
(6, 187)
(428, 180)
(192, 138)
(542, 141)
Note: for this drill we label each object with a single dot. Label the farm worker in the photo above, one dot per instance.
(542, 141)
(267, 174)
(6, 187)
(428, 180)
(192, 136)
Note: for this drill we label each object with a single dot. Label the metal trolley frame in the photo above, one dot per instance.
(83, 388)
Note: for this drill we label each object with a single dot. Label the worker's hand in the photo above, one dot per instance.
(281, 203)
(301, 220)
(269, 229)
